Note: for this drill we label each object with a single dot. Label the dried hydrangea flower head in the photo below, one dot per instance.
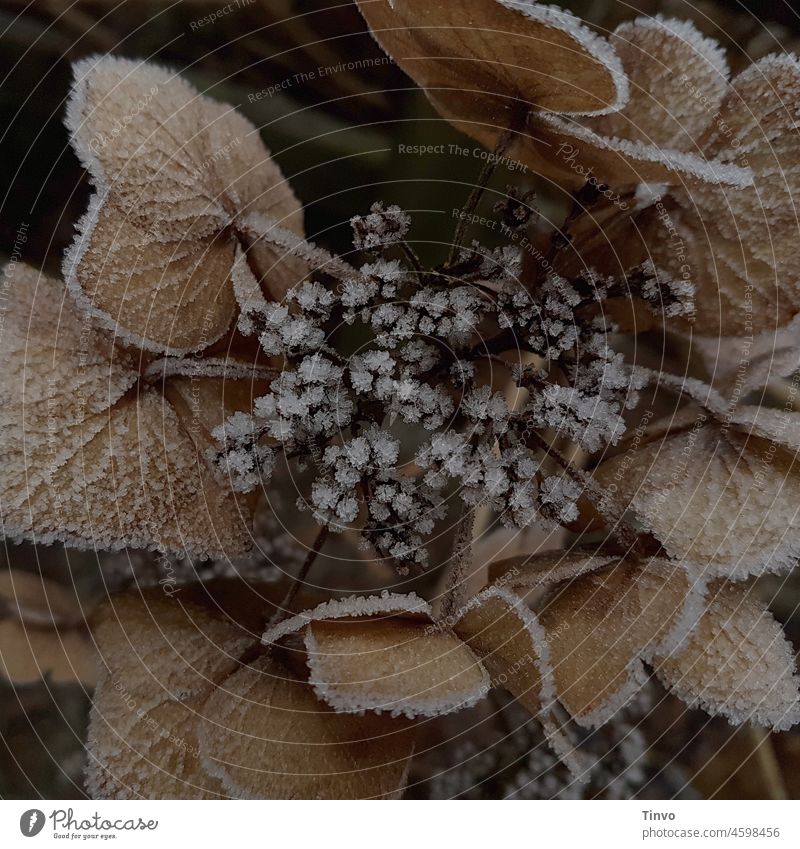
(100, 451)
(181, 181)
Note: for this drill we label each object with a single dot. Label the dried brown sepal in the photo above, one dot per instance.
(177, 714)
(96, 457)
(36, 600)
(385, 654)
(30, 654)
(173, 171)
(602, 625)
(498, 626)
(739, 246)
(736, 663)
(480, 60)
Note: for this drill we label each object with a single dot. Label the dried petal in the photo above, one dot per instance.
(165, 648)
(173, 171)
(28, 655)
(600, 627)
(655, 136)
(158, 757)
(94, 465)
(353, 606)
(738, 365)
(397, 666)
(498, 626)
(716, 497)
(59, 378)
(743, 259)
(161, 658)
(138, 483)
(546, 567)
(267, 737)
(384, 654)
(35, 600)
(678, 77)
(161, 296)
(478, 59)
(736, 663)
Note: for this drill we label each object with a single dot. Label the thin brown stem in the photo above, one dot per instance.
(489, 167)
(285, 608)
(454, 595)
(411, 255)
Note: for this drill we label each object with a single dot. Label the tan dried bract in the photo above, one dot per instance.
(179, 713)
(175, 173)
(96, 454)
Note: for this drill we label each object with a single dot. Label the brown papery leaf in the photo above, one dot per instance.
(174, 171)
(736, 663)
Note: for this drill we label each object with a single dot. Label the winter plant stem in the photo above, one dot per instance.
(413, 260)
(503, 144)
(455, 588)
(285, 609)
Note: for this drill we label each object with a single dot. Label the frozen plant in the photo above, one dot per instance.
(411, 403)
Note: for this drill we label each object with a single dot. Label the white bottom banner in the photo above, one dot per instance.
(353, 825)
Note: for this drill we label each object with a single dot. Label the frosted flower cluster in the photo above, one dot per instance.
(413, 390)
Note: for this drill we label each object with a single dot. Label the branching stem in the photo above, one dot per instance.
(454, 595)
(626, 535)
